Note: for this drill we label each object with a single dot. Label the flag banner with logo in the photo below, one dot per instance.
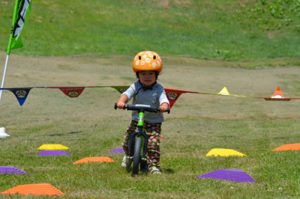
(21, 12)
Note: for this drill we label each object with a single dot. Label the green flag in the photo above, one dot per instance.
(21, 12)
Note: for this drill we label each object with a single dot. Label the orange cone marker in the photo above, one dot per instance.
(94, 159)
(34, 189)
(288, 147)
(277, 96)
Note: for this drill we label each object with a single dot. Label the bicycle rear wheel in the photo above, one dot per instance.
(136, 156)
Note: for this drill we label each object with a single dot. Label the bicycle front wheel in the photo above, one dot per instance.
(137, 155)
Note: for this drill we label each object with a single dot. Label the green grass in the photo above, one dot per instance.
(223, 30)
(188, 139)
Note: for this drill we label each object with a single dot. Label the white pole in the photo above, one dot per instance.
(4, 74)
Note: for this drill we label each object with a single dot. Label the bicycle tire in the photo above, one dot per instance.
(128, 164)
(136, 156)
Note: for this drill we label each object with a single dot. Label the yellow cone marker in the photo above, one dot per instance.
(53, 147)
(224, 91)
(224, 152)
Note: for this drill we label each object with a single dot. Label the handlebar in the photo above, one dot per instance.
(141, 108)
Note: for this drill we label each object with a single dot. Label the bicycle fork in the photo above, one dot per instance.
(142, 134)
(144, 143)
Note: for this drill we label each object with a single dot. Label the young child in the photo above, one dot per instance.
(147, 65)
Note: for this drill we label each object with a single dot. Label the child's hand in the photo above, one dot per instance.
(164, 107)
(122, 101)
(121, 105)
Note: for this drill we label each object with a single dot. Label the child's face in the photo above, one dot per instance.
(147, 78)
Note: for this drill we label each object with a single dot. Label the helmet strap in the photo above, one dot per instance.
(147, 87)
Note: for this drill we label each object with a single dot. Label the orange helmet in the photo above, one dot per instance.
(147, 61)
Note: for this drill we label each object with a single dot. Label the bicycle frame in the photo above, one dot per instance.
(143, 136)
(138, 141)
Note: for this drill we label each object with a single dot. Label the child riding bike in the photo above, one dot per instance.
(147, 65)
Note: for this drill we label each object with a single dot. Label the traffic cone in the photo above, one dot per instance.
(224, 91)
(277, 93)
(277, 96)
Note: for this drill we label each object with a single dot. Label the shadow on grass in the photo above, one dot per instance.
(168, 171)
(62, 134)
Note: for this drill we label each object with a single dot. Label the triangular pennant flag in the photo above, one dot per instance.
(174, 94)
(94, 159)
(20, 93)
(44, 189)
(71, 91)
(120, 89)
(224, 152)
(278, 96)
(224, 91)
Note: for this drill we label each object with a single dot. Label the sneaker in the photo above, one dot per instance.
(123, 164)
(154, 170)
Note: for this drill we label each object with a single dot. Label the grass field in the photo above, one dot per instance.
(223, 30)
(248, 46)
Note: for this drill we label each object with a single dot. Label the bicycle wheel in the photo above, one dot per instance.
(136, 155)
(128, 164)
(131, 152)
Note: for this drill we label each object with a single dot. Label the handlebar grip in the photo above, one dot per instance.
(116, 106)
(135, 107)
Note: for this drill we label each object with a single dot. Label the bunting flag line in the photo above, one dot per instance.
(172, 94)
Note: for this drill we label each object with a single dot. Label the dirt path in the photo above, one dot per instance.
(203, 76)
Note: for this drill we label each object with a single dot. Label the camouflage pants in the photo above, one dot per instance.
(153, 133)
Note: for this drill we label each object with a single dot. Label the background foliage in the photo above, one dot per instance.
(225, 30)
